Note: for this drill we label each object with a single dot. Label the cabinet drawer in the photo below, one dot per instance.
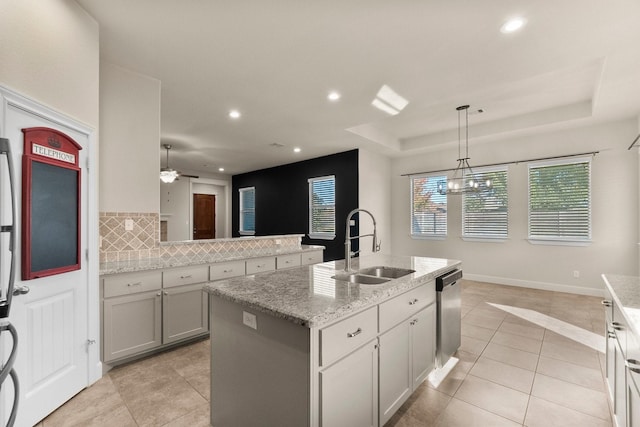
(345, 336)
(401, 307)
(311, 257)
(260, 265)
(287, 261)
(225, 270)
(130, 283)
(185, 276)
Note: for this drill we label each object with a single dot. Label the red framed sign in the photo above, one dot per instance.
(50, 203)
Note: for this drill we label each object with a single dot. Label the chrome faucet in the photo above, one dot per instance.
(347, 242)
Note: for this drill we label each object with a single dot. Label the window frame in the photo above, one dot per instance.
(241, 211)
(480, 237)
(561, 240)
(428, 236)
(314, 234)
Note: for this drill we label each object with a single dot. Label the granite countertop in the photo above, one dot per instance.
(626, 293)
(183, 261)
(309, 296)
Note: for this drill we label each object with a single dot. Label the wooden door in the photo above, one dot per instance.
(204, 216)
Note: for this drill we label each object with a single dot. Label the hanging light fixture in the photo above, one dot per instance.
(463, 180)
(168, 175)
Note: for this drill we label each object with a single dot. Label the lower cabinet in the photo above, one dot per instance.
(132, 324)
(184, 313)
(349, 390)
(407, 356)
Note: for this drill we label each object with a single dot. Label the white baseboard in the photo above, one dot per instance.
(580, 290)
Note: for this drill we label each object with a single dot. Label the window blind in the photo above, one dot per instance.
(560, 201)
(428, 207)
(485, 214)
(322, 207)
(248, 210)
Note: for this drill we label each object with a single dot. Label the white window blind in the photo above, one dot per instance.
(485, 214)
(248, 210)
(322, 207)
(428, 207)
(560, 200)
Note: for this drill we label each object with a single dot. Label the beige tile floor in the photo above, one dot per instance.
(511, 373)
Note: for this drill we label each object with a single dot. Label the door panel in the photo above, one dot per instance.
(51, 320)
(204, 216)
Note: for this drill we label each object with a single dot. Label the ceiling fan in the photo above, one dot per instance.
(168, 175)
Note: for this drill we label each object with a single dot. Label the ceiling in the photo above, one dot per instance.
(575, 62)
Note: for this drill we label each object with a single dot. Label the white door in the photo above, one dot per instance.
(51, 319)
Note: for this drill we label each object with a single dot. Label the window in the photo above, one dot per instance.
(247, 210)
(428, 207)
(560, 201)
(485, 213)
(322, 208)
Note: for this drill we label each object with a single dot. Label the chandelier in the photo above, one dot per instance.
(168, 175)
(463, 180)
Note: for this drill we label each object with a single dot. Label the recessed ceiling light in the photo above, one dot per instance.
(234, 114)
(334, 96)
(297, 150)
(512, 25)
(221, 169)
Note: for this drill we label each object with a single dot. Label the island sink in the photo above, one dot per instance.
(388, 272)
(361, 279)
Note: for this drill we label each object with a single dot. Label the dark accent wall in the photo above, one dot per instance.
(282, 198)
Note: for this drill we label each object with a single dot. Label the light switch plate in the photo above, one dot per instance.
(250, 320)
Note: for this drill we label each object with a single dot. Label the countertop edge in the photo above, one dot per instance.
(184, 261)
(615, 288)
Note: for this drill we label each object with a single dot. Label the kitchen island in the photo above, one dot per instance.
(300, 347)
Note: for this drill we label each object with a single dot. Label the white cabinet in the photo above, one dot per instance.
(260, 265)
(314, 257)
(184, 313)
(407, 356)
(131, 324)
(349, 390)
(226, 270)
(633, 380)
(287, 261)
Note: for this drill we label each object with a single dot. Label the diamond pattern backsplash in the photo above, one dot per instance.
(143, 241)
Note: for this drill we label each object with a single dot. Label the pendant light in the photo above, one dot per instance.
(463, 180)
(168, 175)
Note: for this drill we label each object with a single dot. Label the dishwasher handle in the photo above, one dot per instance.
(448, 279)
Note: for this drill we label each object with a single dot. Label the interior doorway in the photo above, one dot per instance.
(204, 216)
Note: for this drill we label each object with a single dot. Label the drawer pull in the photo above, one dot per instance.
(633, 364)
(606, 303)
(189, 276)
(415, 301)
(166, 293)
(616, 326)
(134, 284)
(159, 294)
(413, 322)
(353, 334)
(611, 335)
(228, 271)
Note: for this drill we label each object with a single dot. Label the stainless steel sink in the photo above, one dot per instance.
(361, 279)
(387, 272)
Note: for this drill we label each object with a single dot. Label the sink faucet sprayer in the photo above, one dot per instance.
(348, 238)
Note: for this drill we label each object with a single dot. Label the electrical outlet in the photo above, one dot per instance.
(576, 274)
(128, 224)
(250, 320)
(278, 241)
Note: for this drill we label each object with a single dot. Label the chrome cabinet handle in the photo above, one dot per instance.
(353, 334)
(228, 271)
(606, 303)
(166, 293)
(21, 290)
(159, 294)
(635, 368)
(611, 335)
(413, 322)
(134, 284)
(189, 276)
(415, 301)
(617, 326)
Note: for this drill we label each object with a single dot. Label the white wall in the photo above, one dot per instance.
(374, 190)
(615, 205)
(130, 141)
(174, 208)
(49, 51)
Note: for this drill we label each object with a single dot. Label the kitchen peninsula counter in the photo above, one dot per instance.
(309, 296)
(298, 347)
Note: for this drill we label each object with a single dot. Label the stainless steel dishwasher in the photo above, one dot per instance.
(448, 303)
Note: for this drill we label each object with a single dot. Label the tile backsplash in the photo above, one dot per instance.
(142, 241)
